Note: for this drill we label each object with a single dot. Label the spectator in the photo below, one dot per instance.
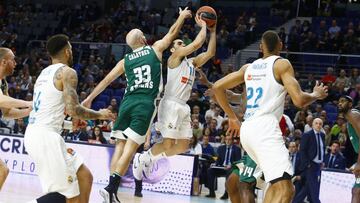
(334, 29)
(211, 111)
(309, 121)
(197, 130)
(336, 129)
(227, 154)
(195, 147)
(334, 159)
(207, 149)
(329, 77)
(343, 79)
(312, 150)
(214, 132)
(354, 77)
(97, 136)
(295, 161)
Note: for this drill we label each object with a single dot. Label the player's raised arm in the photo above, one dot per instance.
(110, 77)
(181, 52)
(72, 105)
(164, 43)
(285, 72)
(202, 58)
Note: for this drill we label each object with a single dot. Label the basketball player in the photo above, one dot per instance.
(144, 82)
(9, 106)
(174, 114)
(61, 170)
(267, 81)
(242, 182)
(353, 126)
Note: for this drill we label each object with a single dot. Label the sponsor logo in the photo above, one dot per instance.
(184, 79)
(170, 126)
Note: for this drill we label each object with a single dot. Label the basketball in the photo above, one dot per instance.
(208, 14)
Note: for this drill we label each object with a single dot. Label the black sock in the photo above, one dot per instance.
(114, 182)
(53, 197)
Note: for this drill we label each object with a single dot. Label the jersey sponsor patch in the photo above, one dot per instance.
(184, 79)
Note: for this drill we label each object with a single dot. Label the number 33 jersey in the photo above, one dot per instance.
(265, 95)
(48, 102)
(143, 73)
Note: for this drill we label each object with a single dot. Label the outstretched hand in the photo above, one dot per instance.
(185, 13)
(320, 91)
(199, 21)
(234, 127)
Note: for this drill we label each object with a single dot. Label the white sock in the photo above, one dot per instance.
(156, 157)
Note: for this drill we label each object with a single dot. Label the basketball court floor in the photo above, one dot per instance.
(21, 188)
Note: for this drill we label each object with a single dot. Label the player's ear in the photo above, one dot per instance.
(261, 47)
(280, 46)
(172, 50)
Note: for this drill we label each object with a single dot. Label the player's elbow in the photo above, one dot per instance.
(299, 103)
(72, 111)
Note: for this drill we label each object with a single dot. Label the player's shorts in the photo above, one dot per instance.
(357, 183)
(55, 164)
(262, 139)
(248, 171)
(174, 119)
(135, 116)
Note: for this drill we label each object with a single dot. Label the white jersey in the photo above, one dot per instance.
(265, 96)
(180, 81)
(48, 102)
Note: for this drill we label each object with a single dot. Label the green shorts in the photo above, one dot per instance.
(357, 183)
(134, 119)
(247, 174)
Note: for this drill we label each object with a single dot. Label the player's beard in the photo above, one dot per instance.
(70, 61)
(344, 110)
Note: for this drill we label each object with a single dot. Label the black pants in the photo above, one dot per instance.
(214, 173)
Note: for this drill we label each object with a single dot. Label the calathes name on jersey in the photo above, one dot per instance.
(138, 54)
(148, 85)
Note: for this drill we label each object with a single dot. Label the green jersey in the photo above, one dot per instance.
(143, 73)
(353, 135)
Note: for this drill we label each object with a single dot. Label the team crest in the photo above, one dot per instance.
(70, 151)
(70, 179)
(170, 126)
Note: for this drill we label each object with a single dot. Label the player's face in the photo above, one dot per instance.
(344, 105)
(178, 43)
(10, 63)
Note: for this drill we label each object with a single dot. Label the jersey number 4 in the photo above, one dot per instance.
(37, 101)
(250, 97)
(142, 74)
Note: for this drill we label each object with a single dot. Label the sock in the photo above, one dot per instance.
(53, 197)
(156, 157)
(114, 182)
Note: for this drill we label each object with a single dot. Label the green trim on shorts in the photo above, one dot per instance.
(357, 183)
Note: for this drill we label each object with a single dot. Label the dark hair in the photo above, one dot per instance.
(271, 40)
(193, 145)
(102, 138)
(56, 43)
(335, 142)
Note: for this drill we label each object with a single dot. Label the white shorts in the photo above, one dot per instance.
(174, 119)
(262, 139)
(55, 164)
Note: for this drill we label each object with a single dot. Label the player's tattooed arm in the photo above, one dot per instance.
(72, 105)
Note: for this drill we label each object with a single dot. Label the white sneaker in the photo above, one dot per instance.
(137, 167)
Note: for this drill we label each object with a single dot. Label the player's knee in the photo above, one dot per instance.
(356, 192)
(4, 170)
(84, 174)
